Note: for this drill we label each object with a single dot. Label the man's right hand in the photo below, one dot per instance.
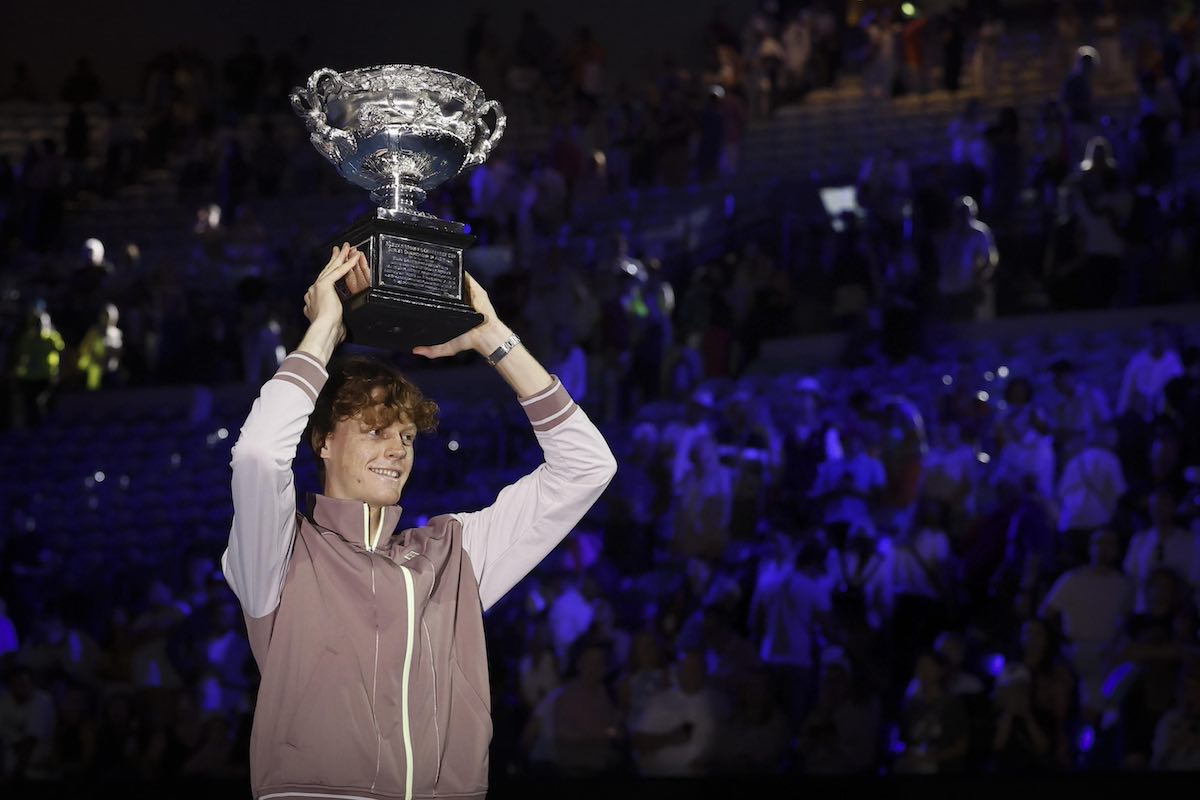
(321, 302)
(323, 305)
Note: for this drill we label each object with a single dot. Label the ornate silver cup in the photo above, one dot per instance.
(400, 130)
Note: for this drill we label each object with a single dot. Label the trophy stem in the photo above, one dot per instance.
(399, 199)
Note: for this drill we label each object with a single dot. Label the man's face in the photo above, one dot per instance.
(366, 463)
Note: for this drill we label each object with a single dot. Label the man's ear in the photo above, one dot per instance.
(321, 444)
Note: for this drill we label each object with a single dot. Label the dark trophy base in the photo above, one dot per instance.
(418, 295)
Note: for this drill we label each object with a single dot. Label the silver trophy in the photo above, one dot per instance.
(400, 130)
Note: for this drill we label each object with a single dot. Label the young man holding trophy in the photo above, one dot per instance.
(370, 640)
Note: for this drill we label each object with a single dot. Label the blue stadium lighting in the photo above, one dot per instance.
(995, 664)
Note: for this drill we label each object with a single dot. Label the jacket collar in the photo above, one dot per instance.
(345, 518)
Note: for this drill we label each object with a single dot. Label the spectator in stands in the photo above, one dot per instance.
(1077, 93)
(913, 34)
(643, 675)
(1106, 32)
(839, 736)
(935, 728)
(1147, 374)
(1096, 199)
(986, 59)
(1089, 488)
(1177, 738)
(954, 40)
(586, 721)
(1078, 408)
(1053, 686)
(100, 351)
(1164, 544)
(26, 730)
(678, 732)
(1091, 604)
(755, 737)
(879, 67)
(967, 260)
(849, 488)
(1156, 642)
(1022, 741)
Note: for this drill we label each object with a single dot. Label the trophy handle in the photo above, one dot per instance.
(483, 146)
(334, 143)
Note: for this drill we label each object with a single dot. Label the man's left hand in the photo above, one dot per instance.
(483, 338)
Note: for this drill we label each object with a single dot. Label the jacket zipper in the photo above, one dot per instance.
(408, 648)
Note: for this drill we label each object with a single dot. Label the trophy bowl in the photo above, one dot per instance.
(398, 130)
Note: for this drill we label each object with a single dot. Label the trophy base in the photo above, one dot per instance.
(418, 294)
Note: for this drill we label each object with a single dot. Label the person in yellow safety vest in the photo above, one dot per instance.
(100, 350)
(39, 356)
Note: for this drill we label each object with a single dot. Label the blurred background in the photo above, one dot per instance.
(889, 311)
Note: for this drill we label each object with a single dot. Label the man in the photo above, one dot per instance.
(676, 734)
(1078, 408)
(370, 640)
(1090, 604)
(1089, 489)
(1164, 544)
(967, 260)
(1147, 374)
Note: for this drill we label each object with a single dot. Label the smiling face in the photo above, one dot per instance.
(368, 462)
(362, 430)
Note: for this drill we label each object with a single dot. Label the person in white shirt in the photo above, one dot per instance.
(1147, 373)
(1091, 604)
(1088, 490)
(1165, 544)
(1078, 408)
(1028, 453)
(792, 593)
(967, 259)
(851, 486)
(680, 436)
(677, 732)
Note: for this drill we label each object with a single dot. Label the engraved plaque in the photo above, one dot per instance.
(425, 267)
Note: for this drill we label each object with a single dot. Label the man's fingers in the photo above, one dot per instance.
(340, 254)
(337, 272)
(436, 351)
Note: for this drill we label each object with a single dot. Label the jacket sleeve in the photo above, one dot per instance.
(510, 537)
(264, 493)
